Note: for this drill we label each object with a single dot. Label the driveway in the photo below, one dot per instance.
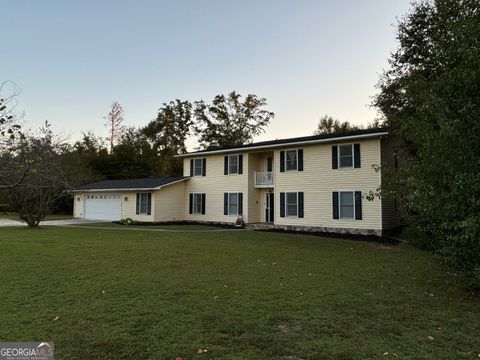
(8, 222)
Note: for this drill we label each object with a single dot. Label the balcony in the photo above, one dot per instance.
(263, 179)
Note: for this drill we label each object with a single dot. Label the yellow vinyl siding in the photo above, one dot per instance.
(129, 207)
(169, 205)
(214, 185)
(78, 206)
(318, 180)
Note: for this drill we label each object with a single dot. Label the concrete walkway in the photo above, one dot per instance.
(8, 222)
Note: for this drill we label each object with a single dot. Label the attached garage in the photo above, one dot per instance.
(103, 206)
(144, 200)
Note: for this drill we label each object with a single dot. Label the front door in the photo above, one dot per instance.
(269, 207)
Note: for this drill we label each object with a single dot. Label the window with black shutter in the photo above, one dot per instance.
(144, 203)
(234, 205)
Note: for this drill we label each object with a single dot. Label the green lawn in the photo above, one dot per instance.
(14, 216)
(175, 227)
(116, 294)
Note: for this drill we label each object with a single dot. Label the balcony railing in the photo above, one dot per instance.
(263, 178)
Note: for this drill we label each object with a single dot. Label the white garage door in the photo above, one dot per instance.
(103, 207)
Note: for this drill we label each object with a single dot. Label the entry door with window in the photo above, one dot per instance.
(269, 207)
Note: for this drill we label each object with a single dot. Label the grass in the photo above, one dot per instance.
(14, 216)
(176, 227)
(115, 294)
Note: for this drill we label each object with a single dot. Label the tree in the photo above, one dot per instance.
(9, 117)
(114, 123)
(329, 125)
(9, 131)
(132, 157)
(430, 97)
(34, 197)
(168, 134)
(229, 121)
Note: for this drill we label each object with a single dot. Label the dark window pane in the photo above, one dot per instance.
(233, 204)
(233, 164)
(291, 159)
(291, 204)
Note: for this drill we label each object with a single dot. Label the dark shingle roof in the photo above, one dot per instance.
(280, 142)
(148, 183)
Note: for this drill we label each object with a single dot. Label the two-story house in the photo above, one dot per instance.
(313, 183)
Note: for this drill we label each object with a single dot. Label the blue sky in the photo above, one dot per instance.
(72, 59)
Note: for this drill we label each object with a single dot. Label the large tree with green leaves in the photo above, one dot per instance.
(329, 125)
(430, 97)
(230, 120)
(168, 134)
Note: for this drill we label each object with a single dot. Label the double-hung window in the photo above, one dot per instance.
(347, 205)
(197, 167)
(345, 156)
(291, 160)
(233, 204)
(197, 203)
(144, 203)
(232, 164)
(291, 203)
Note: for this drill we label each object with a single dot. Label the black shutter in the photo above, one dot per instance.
(225, 165)
(282, 204)
(335, 204)
(225, 203)
(240, 164)
(334, 157)
(138, 204)
(358, 205)
(203, 203)
(204, 167)
(191, 167)
(149, 204)
(240, 203)
(356, 155)
(300, 204)
(300, 160)
(282, 161)
(190, 204)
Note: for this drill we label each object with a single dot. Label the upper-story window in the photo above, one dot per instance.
(233, 164)
(291, 160)
(345, 156)
(197, 167)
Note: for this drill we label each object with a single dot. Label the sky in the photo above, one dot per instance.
(72, 59)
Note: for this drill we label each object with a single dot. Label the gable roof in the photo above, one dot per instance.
(132, 184)
(313, 139)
